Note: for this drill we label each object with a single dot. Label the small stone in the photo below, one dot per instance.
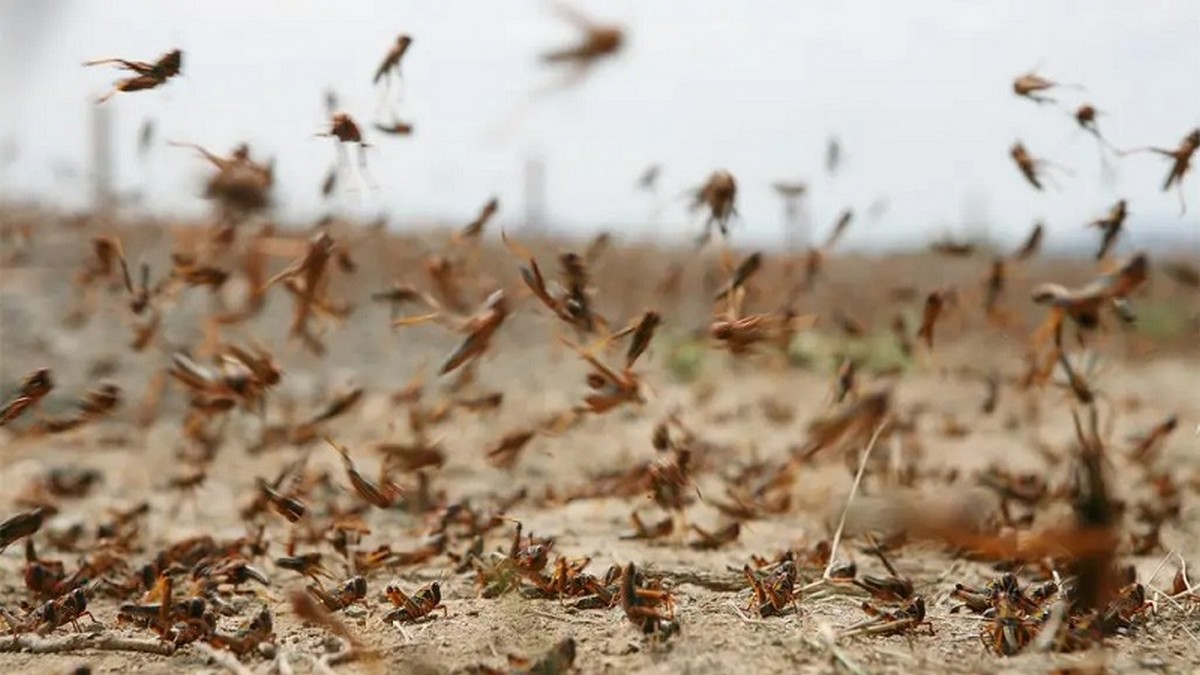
(331, 644)
(267, 649)
(355, 611)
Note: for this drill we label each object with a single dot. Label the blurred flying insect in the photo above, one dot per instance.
(1085, 116)
(397, 128)
(950, 247)
(291, 508)
(573, 304)
(718, 195)
(642, 331)
(846, 382)
(833, 155)
(934, 302)
(474, 229)
(149, 75)
(352, 591)
(745, 269)
(308, 565)
(34, 388)
(1181, 161)
(648, 181)
(739, 333)
(894, 588)
(642, 531)
(307, 277)
(1146, 446)
(599, 41)
(610, 388)
(1182, 273)
(993, 288)
(329, 182)
(22, 525)
(711, 541)
(1110, 227)
(240, 184)
(851, 423)
(814, 261)
(391, 60)
(309, 608)
(109, 258)
(559, 660)
(380, 496)
(344, 129)
(1030, 85)
(1083, 304)
(1031, 167)
(1032, 244)
(479, 329)
(992, 382)
(503, 453)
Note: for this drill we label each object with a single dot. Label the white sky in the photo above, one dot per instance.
(918, 92)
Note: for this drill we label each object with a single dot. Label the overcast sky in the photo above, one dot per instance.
(918, 92)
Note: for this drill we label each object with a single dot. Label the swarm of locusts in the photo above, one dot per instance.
(350, 539)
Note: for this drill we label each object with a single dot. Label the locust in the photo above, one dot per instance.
(1110, 227)
(396, 128)
(22, 525)
(479, 329)
(343, 129)
(934, 302)
(391, 60)
(1083, 304)
(1031, 245)
(774, 592)
(34, 387)
(850, 423)
(599, 41)
(308, 565)
(380, 496)
(651, 610)
(1029, 166)
(148, 75)
(504, 452)
(411, 608)
(718, 194)
(814, 261)
(474, 229)
(573, 305)
(350, 592)
(307, 278)
(610, 388)
(1181, 161)
(1030, 85)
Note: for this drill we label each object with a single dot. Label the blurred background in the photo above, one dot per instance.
(917, 95)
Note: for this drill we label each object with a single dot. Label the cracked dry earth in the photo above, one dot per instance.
(723, 407)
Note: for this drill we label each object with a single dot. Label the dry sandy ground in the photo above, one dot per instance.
(717, 635)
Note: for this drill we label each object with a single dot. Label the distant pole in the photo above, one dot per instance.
(804, 223)
(795, 223)
(102, 171)
(535, 194)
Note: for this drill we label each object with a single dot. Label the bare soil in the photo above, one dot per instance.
(1143, 381)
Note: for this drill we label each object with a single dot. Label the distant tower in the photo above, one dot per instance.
(102, 163)
(535, 194)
